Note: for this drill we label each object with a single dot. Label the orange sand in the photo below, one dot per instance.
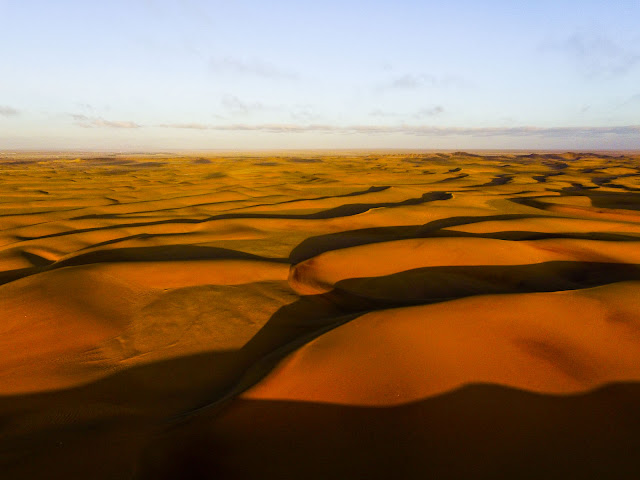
(311, 315)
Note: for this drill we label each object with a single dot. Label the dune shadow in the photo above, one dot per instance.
(341, 211)
(160, 253)
(11, 275)
(437, 284)
(498, 180)
(625, 201)
(451, 179)
(114, 417)
(156, 253)
(517, 235)
(543, 178)
(314, 246)
(305, 160)
(218, 175)
(478, 431)
(623, 187)
(599, 199)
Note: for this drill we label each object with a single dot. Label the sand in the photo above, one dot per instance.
(319, 315)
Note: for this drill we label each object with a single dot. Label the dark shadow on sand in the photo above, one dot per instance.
(599, 199)
(341, 211)
(159, 253)
(437, 284)
(478, 431)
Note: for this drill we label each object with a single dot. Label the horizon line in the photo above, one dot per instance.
(167, 151)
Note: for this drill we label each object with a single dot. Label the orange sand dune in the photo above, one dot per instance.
(52, 321)
(549, 225)
(179, 274)
(307, 315)
(527, 341)
(320, 274)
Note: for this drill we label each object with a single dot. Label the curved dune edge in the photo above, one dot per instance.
(561, 342)
(320, 274)
(180, 274)
(548, 225)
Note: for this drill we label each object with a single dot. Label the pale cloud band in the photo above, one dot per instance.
(93, 122)
(402, 129)
(626, 130)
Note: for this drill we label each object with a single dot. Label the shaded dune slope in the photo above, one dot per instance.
(478, 431)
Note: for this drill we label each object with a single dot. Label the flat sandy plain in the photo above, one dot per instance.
(320, 316)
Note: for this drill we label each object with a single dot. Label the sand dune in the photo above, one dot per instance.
(320, 274)
(52, 321)
(527, 341)
(362, 315)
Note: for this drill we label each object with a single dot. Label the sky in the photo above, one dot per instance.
(249, 74)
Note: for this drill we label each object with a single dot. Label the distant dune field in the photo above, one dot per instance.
(357, 316)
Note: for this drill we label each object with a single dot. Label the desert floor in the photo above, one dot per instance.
(320, 316)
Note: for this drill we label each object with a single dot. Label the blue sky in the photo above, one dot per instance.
(161, 74)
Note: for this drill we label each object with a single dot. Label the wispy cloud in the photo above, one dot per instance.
(413, 81)
(97, 122)
(85, 106)
(187, 126)
(596, 55)
(422, 113)
(419, 130)
(254, 67)
(7, 111)
(429, 112)
(236, 106)
(303, 113)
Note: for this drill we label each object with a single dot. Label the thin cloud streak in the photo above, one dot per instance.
(422, 113)
(234, 105)
(97, 122)
(186, 126)
(417, 130)
(414, 81)
(304, 113)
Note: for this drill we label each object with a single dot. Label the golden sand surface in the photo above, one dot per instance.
(319, 315)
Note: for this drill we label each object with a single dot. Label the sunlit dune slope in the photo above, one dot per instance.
(72, 325)
(52, 321)
(557, 342)
(320, 274)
